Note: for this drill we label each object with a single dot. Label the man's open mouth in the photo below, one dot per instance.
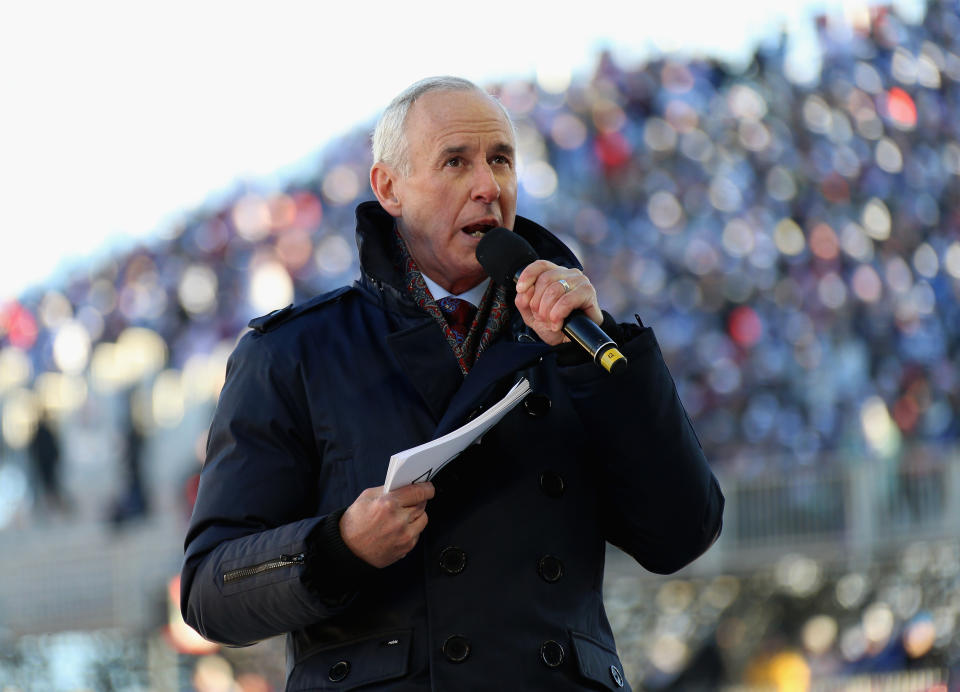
(477, 230)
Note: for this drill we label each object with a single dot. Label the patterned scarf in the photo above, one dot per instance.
(492, 313)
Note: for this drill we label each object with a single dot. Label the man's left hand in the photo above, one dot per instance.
(546, 295)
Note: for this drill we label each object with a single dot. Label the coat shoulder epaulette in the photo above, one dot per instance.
(272, 320)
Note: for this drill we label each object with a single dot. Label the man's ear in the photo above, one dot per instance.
(383, 181)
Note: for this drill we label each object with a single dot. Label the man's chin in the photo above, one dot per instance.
(468, 277)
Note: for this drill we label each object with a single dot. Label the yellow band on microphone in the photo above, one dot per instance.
(611, 358)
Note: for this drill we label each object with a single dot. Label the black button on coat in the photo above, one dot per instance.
(316, 400)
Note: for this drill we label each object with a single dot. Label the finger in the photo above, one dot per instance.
(548, 292)
(416, 511)
(531, 273)
(581, 295)
(559, 299)
(540, 295)
(560, 280)
(588, 304)
(522, 299)
(411, 537)
(415, 515)
(415, 494)
(418, 525)
(549, 288)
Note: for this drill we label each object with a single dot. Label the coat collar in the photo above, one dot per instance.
(378, 262)
(417, 343)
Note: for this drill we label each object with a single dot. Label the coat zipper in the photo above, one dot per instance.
(268, 566)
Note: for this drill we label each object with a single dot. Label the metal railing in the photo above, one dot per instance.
(843, 515)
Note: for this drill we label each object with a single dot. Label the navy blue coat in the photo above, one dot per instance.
(504, 586)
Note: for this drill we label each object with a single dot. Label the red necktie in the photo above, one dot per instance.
(459, 314)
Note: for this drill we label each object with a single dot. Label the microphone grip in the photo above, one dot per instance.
(604, 351)
(581, 329)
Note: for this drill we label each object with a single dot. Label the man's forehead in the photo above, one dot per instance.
(448, 113)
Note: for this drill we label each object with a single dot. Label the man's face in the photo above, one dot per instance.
(462, 183)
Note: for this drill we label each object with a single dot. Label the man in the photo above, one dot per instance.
(292, 531)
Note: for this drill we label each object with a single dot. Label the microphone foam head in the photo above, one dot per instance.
(503, 254)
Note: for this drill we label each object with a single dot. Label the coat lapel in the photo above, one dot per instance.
(429, 363)
(497, 361)
(432, 370)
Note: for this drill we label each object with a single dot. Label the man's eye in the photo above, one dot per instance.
(454, 162)
(501, 160)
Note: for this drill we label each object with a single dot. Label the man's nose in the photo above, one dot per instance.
(486, 189)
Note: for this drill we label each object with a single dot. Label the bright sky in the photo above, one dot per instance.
(117, 116)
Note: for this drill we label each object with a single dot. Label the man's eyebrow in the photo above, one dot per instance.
(454, 149)
(501, 148)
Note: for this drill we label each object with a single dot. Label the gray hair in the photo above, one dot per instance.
(390, 134)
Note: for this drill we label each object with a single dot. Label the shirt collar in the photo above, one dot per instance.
(474, 295)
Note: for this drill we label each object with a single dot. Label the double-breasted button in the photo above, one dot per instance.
(537, 404)
(552, 484)
(339, 671)
(551, 653)
(453, 560)
(456, 648)
(550, 568)
(617, 676)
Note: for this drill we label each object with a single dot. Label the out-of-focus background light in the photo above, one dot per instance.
(21, 412)
(15, 368)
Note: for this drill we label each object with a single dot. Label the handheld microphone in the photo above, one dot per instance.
(504, 255)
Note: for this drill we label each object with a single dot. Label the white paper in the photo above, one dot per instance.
(422, 463)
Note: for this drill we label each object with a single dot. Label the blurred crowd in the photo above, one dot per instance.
(794, 244)
(797, 625)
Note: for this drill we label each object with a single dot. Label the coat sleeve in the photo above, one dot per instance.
(660, 501)
(247, 543)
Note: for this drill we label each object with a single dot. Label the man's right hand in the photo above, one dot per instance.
(381, 529)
